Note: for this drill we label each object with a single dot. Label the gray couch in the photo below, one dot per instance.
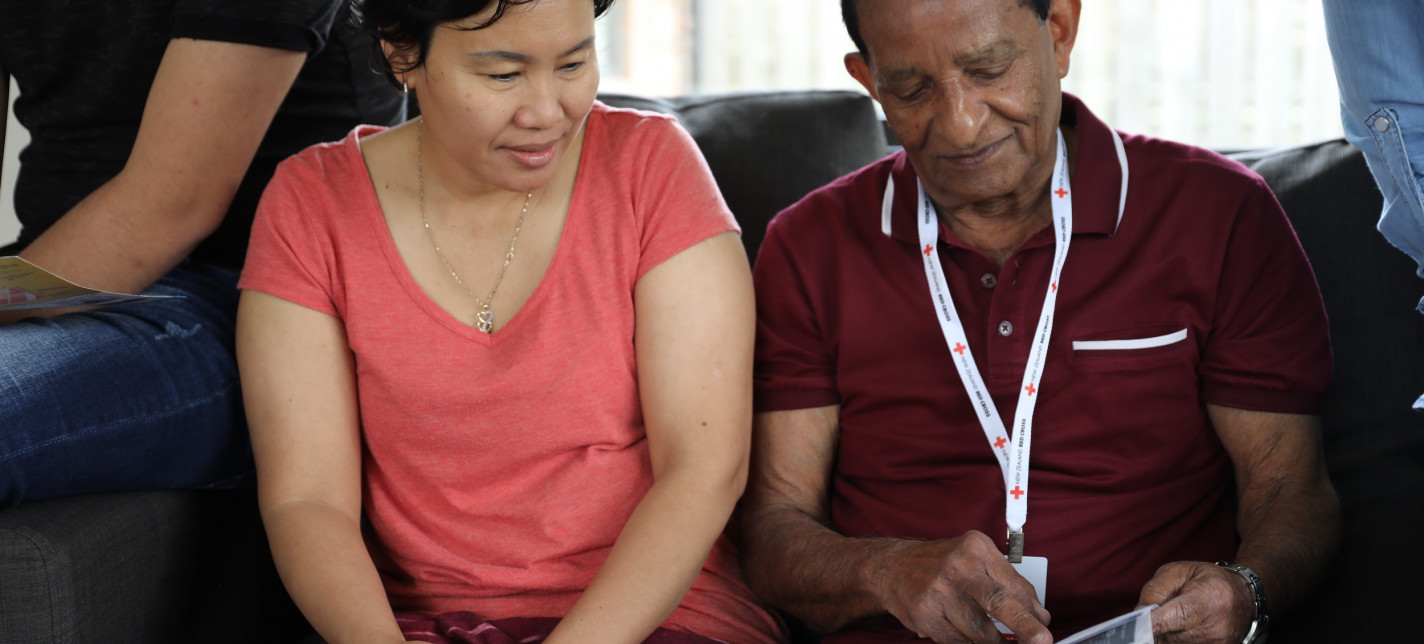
(192, 565)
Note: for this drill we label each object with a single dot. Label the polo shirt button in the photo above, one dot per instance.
(1006, 328)
(988, 280)
(1381, 124)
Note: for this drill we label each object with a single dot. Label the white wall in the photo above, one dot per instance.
(15, 138)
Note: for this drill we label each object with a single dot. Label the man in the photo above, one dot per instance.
(1123, 322)
(155, 125)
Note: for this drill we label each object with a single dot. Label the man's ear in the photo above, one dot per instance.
(1063, 27)
(859, 69)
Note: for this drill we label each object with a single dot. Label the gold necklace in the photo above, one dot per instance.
(484, 319)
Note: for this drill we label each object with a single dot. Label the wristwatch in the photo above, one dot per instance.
(1260, 625)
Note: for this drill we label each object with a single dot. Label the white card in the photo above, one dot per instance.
(1132, 628)
(1035, 570)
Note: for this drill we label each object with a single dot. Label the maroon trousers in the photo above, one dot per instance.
(461, 627)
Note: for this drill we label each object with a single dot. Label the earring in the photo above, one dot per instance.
(405, 102)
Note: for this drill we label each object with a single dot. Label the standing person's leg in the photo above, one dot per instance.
(133, 396)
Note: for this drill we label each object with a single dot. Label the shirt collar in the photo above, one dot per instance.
(1100, 179)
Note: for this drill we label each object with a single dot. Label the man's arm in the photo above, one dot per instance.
(208, 109)
(1288, 518)
(939, 589)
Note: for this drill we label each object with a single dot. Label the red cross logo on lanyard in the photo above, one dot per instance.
(928, 249)
(1001, 442)
(1030, 389)
(1061, 193)
(1017, 492)
(959, 348)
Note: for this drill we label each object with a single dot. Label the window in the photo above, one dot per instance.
(1218, 73)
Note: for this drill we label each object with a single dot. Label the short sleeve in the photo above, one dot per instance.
(296, 25)
(795, 362)
(286, 257)
(1269, 347)
(675, 196)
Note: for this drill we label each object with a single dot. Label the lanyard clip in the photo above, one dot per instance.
(1016, 546)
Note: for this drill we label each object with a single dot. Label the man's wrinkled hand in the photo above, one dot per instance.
(942, 591)
(1198, 603)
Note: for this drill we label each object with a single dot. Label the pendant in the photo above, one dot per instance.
(484, 321)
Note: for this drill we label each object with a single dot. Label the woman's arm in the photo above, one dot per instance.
(695, 327)
(299, 386)
(208, 109)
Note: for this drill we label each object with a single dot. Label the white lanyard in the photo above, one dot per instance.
(1011, 451)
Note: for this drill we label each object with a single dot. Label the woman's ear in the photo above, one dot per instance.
(403, 60)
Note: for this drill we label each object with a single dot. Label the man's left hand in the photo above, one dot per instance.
(1198, 602)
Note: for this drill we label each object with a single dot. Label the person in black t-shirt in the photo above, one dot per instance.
(155, 125)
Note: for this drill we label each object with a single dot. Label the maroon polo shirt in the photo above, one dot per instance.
(1127, 472)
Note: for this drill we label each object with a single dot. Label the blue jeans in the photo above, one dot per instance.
(1378, 48)
(127, 397)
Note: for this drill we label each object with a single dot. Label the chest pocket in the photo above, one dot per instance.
(1131, 344)
(1129, 348)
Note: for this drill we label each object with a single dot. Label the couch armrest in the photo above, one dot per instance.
(142, 567)
(104, 567)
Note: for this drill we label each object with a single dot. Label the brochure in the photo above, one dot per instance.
(26, 286)
(1132, 628)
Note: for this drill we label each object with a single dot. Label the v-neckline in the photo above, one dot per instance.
(375, 216)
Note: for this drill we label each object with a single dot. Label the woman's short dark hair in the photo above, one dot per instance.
(408, 25)
(853, 24)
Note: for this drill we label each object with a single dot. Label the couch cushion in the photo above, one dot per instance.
(768, 149)
(1374, 442)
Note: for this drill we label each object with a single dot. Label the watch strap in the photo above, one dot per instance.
(1261, 620)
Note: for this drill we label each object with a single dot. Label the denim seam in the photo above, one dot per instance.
(224, 391)
(1396, 157)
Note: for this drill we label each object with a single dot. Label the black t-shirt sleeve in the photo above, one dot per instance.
(297, 25)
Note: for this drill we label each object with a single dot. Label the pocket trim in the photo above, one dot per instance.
(1137, 343)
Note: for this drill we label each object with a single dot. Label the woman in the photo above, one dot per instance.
(513, 336)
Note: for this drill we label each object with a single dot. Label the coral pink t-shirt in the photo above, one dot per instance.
(500, 468)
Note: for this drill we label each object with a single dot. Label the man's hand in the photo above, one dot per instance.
(942, 590)
(1198, 602)
(792, 559)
